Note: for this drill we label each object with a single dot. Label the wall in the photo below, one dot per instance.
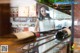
(16, 3)
(77, 18)
(4, 1)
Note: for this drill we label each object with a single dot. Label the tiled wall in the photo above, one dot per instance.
(77, 17)
(77, 27)
(77, 11)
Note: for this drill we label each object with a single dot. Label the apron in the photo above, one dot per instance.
(45, 25)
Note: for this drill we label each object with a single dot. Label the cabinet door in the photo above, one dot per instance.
(0, 18)
(5, 19)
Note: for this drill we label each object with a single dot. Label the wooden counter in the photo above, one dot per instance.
(14, 46)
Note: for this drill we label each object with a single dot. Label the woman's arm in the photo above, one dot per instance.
(36, 33)
(37, 26)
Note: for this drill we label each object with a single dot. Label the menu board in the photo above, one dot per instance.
(23, 11)
(32, 11)
(27, 11)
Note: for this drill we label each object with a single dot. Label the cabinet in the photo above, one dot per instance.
(5, 25)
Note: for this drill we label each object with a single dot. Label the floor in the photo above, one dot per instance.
(77, 45)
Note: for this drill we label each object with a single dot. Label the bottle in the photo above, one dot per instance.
(62, 34)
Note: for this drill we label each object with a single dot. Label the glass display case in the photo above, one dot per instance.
(50, 19)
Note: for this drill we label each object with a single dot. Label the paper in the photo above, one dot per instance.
(23, 35)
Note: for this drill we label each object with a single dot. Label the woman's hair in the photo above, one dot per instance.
(41, 17)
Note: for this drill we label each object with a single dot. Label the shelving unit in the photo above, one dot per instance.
(53, 45)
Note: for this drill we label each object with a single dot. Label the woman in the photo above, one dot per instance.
(43, 24)
(44, 21)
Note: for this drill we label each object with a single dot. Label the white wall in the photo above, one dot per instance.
(16, 3)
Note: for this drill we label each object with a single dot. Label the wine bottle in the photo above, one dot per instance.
(62, 34)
